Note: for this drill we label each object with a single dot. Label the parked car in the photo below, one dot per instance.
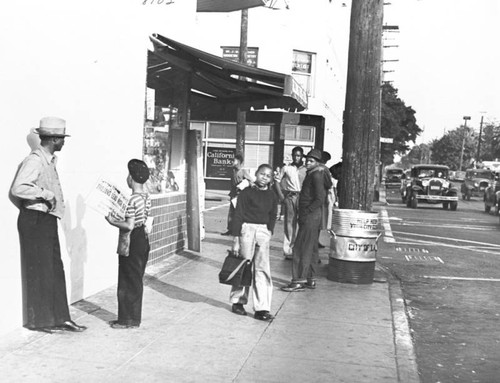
(429, 183)
(457, 176)
(393, 177)
(476, 181)
(492, 194)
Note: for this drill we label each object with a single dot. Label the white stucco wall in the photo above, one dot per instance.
(85, 62)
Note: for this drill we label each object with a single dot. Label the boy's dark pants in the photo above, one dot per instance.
(130, 273)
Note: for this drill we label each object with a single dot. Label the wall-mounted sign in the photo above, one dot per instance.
(233, 54)
(219, 162)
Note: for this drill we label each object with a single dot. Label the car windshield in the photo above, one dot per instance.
(479, 174)
(427, 173)
(392, 172)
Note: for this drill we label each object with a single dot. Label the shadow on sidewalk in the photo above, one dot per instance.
(94, 310)
(178, 293)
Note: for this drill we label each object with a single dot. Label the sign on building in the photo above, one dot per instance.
(233, 54)
(219, 162)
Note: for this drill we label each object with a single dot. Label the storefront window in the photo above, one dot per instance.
(159, 134)
(220, 147)
(299, 133)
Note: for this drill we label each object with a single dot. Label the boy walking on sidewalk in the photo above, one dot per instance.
(253, 222)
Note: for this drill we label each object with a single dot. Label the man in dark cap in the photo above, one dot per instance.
(37, 192)
(311, 201)
(133, 248)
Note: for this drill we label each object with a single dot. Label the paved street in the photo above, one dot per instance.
(448, 265)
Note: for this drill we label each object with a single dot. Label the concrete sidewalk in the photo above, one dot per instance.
(336, 333)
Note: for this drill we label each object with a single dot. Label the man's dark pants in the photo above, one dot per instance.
(45, 303)
(305, 250)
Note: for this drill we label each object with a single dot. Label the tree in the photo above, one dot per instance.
(490, 142)
(419, 154)
(448, 149)
(398, 122)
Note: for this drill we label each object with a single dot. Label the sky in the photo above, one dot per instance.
(449, 58)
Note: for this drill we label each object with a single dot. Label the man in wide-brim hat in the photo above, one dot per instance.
(37, 192)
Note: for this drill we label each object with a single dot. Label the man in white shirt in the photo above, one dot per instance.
(288, 185)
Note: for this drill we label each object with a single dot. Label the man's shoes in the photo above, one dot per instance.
(119, 326)
(71, 326)
(294, 286)
(226, 233)
(320, 246)
(288, 256)
(263, 315)
(238, 309)
(310, 284)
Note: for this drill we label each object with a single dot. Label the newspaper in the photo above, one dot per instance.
(107, 198)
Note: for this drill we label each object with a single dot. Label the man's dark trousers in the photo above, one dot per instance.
(305, 250)
(45, 302)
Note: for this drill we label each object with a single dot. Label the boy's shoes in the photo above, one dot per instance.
(263, 315)
(288, 256)
(310, 284)
(118, 326)
(226, 233)
(294, 286)
(238, 309)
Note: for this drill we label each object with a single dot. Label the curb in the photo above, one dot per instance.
(406, 360)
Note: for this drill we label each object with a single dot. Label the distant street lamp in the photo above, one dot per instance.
(463, 141)
(479, 140)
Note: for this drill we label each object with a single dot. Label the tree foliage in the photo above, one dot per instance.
(490, 143)
(419, 154)
(398, 122)
(447, 150)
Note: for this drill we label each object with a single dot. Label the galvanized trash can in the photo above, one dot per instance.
(353, 253)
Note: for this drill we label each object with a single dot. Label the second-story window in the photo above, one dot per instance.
(303, 70)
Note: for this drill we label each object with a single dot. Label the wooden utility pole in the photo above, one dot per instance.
(361, 126)
(241, 116)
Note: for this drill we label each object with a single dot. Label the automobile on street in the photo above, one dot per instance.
(492, 194)
(429, 183)
(475, 183)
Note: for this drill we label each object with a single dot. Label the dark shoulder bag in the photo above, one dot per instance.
(236, 271)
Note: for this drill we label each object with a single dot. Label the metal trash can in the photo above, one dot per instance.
(355, 235)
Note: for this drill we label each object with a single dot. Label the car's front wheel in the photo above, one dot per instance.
(487, 208)
(445, 205)
(453, 205)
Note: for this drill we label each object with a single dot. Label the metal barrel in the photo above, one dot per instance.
(353, 246)
(355, 223)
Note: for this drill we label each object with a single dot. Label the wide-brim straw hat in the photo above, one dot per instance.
(52, 127)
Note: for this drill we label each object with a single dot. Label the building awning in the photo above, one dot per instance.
(227, 5)
(220, 83)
